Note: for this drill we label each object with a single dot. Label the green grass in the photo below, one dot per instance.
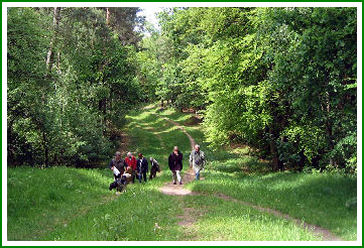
(74, 204)
(41, 200)
(226, 220)
(132, 216)
(324, 199)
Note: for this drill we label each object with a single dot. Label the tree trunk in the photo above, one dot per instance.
(58, 64)
(108, 16)
(104, 112)
(102, 109)
(277, 164)
(11, 153)
(50, 54)
(275, 159)
(328, 125)
(46, 150)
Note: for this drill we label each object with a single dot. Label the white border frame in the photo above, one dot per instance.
(358, 5)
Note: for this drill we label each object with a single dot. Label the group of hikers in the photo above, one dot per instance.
(127, 169)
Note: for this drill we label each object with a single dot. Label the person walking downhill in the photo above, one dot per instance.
(142, 168)
(197, 161)
(175, 164)
(131, 164)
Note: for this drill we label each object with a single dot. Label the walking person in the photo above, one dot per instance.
(118, 168)
(197, 161)
(131, 165)
(154, 168)
(142, 168)
(175, 164)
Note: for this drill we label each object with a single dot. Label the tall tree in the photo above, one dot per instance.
(282, 80)
(71, 60)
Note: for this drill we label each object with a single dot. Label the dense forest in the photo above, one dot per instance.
(280, 80)
(71, 80)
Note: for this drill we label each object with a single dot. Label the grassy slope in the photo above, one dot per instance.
(227, 220)
(41, 199)
(327, 200)
(74, 204)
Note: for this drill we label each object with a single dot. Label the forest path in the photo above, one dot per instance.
(189, 216)
(170, 188)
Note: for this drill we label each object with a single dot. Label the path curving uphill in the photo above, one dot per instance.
(178, 190)
(170, 188)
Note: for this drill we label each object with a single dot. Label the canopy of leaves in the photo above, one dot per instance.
(282, 80)
(67, 114)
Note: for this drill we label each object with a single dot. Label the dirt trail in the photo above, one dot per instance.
(192, 141)
(188, 218)
(170, 188)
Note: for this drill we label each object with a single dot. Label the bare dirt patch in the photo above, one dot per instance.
(177, 189)
(193, 121)
(187, 218)
(172, 189)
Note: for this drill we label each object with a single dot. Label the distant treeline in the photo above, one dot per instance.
(282, 80)
(71, 80)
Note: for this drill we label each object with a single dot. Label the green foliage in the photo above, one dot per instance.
(69, 84)
(76, 205)
(326, 199)
(308, 139)
(282, 80)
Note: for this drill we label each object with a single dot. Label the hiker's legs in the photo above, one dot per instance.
(174, 176)
(179, 178)
(198, 175)
(145, 176)
(133, 176)
(140, 177)
(197, 171)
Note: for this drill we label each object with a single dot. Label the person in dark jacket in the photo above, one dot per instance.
(117, 162)
(175, 164)
(154, 168)
(142, 168)
(118, 168)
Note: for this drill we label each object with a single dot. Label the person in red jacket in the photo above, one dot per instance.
(130, 162)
